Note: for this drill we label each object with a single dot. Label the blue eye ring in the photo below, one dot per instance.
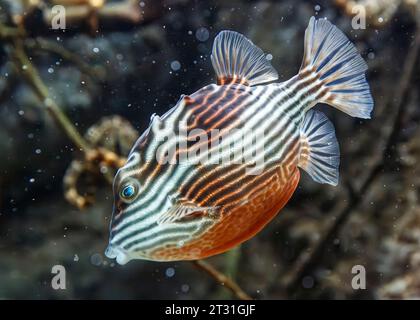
(129, 191)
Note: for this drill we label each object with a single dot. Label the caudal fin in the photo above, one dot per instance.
(332, 61)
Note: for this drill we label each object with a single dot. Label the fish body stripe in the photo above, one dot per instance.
(255, 123)
(251, 107)
(270, 98)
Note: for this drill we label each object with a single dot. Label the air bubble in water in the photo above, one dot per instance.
(96, 259)
(175, 65)
(202, 34)
(170, 272)
(308, 282)
(185, 288)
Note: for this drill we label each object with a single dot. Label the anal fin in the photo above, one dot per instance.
(319, 152)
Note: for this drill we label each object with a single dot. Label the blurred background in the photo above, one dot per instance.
(94, 86)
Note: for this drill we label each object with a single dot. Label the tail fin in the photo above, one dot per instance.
(339, 68)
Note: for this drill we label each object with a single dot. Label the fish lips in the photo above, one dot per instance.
(121, 256)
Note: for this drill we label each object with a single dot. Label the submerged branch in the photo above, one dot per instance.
(32, 78)
(87, 16)
(222, 279)
(56, 49)
(231, 262)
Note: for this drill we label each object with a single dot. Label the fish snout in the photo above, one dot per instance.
(115, 252)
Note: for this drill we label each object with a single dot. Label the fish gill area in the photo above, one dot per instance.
(94, 87)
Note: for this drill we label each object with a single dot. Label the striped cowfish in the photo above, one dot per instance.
(169, 206)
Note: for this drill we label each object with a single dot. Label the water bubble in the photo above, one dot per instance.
(371, 55)
(308, 282)
(38, 151)
(202, 34)
(317, 7)
(96, 259)
(31, 180)
(170, 272)
(96, 50)
(380, 19)
(76, 258)
(185, 288)
(269, 57)
(21, 112)
(103, 169)
(50, 70)
(175, 65)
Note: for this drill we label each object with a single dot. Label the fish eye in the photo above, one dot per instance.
(129, 191)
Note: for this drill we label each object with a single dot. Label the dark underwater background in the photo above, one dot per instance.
(116, 64)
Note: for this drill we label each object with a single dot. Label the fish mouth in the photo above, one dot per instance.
(122, 256)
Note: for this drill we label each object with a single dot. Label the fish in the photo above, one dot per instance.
(189, 190)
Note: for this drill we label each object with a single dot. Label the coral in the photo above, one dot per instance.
(110, 133)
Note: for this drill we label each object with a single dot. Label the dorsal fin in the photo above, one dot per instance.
(236, 59)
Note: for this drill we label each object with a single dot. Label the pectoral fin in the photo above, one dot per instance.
(185, 210)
